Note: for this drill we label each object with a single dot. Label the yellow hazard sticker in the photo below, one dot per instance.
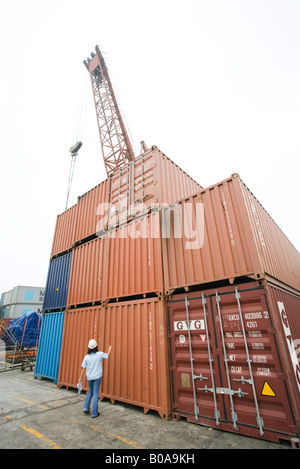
(267, 390)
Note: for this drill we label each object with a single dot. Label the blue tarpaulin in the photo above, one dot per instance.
(25, 330)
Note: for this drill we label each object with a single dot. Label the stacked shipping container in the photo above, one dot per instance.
(112, 227)
(150, 232)
(235, 237)
(119, 228)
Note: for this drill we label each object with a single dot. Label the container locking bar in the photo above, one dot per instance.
(259, 420)
(210, 359)
(196, 408)
(233, 413)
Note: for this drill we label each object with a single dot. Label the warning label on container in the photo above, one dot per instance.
(267, 390)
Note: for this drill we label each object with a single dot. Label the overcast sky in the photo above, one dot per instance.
(215, 84)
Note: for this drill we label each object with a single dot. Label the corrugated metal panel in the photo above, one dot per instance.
(174, 183)
(152, 178)
(219, 240)
(48, 354)
(137, 369)
(57, 284)
(8, 297)
(227, 371)
(91, 211)
(279, 258)
(64, 234)
(134, 259)
(87, 273)
(126, 262)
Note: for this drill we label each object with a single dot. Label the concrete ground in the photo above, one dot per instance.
(36, 414)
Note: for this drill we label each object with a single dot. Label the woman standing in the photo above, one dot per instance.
(92, 363)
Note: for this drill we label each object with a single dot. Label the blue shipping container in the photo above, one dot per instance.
(48, 353)
(57, 284)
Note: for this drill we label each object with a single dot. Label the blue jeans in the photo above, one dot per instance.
(94, 386)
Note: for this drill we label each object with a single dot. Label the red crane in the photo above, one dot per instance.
(116, 146)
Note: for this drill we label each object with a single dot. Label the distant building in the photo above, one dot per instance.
(20, 300)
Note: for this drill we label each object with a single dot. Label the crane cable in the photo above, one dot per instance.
(78, 129)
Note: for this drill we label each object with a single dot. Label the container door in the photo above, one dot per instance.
(194, 360)
(225, 366)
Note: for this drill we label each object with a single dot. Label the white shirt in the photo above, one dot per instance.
(93, 364)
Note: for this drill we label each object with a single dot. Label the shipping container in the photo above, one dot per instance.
(125, 262)
(19, 309)
(64, 234)
(221, 233)
(233, 361)
(137, 369)
(48, 353)
(24, 294)
(152, 178)
(57, 284)
(92, 206)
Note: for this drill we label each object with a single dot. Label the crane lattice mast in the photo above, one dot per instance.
(116, 146)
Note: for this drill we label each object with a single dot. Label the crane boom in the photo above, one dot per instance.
(116, 146)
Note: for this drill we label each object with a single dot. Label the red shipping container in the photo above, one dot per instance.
(234, 364)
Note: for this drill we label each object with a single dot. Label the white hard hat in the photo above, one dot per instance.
(92, 344)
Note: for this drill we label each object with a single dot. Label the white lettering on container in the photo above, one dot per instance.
(195, 325)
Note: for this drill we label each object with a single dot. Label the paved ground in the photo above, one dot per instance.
(36, 414)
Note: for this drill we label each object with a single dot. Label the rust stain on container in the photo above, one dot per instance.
(230, 341)
(126, 262)
(137, 369)
(235, 237)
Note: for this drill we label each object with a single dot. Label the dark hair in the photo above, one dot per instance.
(92, 350)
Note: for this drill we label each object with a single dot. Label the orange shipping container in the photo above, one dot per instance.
(223, 232)
(64, 234)
(89, 206)
(126, 262)
(152, 178)
(137, 369)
